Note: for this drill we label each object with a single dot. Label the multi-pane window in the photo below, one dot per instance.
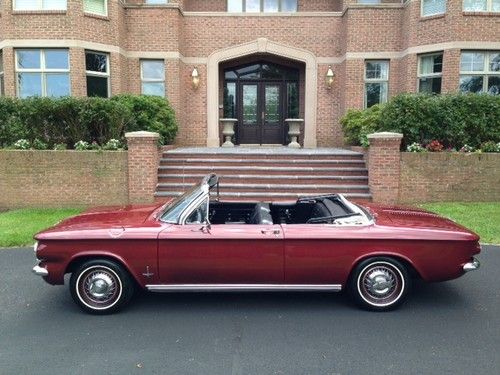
(39, 4)
(42, 72)
(257, 6)
(376, 82)
(432, 7)
(99, 7)
(430, 72)
(2, 91)
(153, 77)
(482, 5)
(97, 71)
(480, 72)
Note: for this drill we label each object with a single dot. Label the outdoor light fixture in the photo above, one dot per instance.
(329, 77)
(195, 77)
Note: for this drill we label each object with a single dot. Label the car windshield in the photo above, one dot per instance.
(177, 206)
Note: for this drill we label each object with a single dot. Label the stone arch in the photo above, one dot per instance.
(262, 45)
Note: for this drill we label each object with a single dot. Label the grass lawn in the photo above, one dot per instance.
(17, 227)
(482, 217)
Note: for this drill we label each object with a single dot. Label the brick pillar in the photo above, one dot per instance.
(143, 159)
(384, 166)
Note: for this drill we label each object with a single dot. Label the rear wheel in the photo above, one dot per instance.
(101, 286)
(379, 283)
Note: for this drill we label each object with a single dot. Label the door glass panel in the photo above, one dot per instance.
(272, 108)
(230, 100)
(249, 104)
(292, 100)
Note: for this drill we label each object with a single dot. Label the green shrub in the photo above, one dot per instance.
(56, 123)
(489, 147)
(454, 120)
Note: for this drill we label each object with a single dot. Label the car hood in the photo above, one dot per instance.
(410, 217)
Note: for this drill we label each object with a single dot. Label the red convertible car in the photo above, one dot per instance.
(195, 243)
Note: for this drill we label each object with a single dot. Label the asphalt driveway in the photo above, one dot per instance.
(451, 327)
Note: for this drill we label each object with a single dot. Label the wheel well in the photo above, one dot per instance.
(414, 274)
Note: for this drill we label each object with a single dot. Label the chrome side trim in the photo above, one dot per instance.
(243, 287)
(40, 271)
(471, 266)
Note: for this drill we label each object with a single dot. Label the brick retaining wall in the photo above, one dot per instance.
(432, 177)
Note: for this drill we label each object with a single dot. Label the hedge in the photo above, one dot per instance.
(454, 120)
(69, 120)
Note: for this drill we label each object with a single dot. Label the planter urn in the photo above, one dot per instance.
(228, 130)
(294, 125)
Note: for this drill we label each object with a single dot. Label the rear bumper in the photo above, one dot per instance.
(40, 271)
(472, 265)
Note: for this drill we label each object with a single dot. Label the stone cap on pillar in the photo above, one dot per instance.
(142, 134)
(385, 135)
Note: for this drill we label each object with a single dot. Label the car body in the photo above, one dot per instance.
(197, 243)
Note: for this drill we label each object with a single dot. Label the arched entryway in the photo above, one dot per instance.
(261, 46)
(261, 93)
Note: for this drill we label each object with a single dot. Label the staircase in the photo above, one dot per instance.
(263, 174)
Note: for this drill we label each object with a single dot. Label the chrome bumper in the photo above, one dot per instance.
(40, 271)
(471, 266)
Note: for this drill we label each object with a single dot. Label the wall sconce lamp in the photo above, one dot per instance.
(195, 77)
(330, 75)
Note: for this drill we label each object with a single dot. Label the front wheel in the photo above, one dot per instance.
(379, 283)
(101, 286)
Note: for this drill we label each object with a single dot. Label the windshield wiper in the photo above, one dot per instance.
(330, 218)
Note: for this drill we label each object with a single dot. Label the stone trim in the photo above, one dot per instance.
(262, 45)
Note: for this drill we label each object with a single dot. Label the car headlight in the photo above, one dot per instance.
(35, 247)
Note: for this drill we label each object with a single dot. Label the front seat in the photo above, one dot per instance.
(261, 214)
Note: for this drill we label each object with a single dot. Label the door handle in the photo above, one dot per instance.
(270, 231)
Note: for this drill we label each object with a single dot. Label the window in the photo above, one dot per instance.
(97, 69)
(42, 72)
(2, 91)
(99, 7)
(430, 71)
(480, 72)
(39, 4)
(369, 1)
(376, 82)
(482, 5)
(432, 7)
(153, 77)
(154, 2)
(257, 6)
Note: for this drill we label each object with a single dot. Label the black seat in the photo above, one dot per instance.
(261, 214)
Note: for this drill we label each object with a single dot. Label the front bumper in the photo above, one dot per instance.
(40, 271)
(471, 266)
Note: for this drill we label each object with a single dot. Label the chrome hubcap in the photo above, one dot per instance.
(99, 287)
(380, 284)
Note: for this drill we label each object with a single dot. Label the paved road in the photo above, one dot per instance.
(452, 327)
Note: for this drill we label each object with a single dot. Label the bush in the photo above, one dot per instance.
(489, 147)
(47, 122)
(358, 124)
(454, 120)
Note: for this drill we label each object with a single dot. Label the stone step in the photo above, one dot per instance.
(273, 170)
(262, 162)
(347, 155)
(268, 179)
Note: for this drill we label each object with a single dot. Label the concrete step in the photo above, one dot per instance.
(271, 179)
(325, 163)
(246, 156)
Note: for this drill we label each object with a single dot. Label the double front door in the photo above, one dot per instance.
(260, 113)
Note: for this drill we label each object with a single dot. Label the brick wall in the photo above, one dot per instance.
(433, 177)
(62, 178)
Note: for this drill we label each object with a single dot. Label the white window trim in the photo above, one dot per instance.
(154, 80)
(489, 7)
(38, 7)
(243, 7)
(429, 75)
(376, 80)
(42, 70)
(106, 74)
(432, 14)
(485, 73)
(105, 14)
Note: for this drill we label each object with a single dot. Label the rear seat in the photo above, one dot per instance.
(261, 214)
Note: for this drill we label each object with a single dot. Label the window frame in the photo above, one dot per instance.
(39, 7)
(489, 8)
(93, 73)
(430, 75)
(2, 88)
(376, 80)
(153, 80)
(42, 70)
(244, 4)
(105, 14)
(485, 73)
(433, 14)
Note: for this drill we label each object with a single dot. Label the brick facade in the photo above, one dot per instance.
(185, 33)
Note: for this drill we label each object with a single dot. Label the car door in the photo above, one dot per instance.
(197, 253)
